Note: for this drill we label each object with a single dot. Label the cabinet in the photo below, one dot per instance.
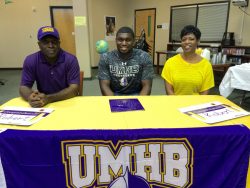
(234, 54)
(237, 54)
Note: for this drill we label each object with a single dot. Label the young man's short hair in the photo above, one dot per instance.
(126, 30)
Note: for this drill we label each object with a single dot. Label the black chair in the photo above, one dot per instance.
(141, 42)
(244, 97)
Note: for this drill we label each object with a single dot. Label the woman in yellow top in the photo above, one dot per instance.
(188, 73)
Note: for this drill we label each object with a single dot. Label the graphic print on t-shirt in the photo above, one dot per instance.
(124, 71)
(124, 81)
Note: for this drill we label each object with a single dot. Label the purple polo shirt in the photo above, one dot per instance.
(50, 78)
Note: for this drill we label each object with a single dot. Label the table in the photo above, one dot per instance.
(167, 53)
(219, 71)
(237, 77)
(83, 144)
(159, 109)
(221, 67)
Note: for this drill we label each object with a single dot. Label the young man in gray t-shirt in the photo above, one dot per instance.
(125, 71)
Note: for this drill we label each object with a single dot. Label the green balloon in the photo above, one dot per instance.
(102, 46)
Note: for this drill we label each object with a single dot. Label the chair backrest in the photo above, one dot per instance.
(81, 83)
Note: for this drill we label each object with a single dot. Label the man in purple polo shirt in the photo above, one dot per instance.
(55, 71)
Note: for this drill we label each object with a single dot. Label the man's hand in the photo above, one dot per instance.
(44, 99)
(37, 99)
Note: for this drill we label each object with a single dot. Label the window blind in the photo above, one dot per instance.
(210, 18)
(182, 16)
(212, 21)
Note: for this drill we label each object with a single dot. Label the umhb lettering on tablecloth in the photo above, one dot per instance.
(162, 162)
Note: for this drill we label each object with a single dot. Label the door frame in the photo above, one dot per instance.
(153, 51)
(69, 46)
(56, 7)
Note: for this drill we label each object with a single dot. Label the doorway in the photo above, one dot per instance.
(62, 18)
(145, 20)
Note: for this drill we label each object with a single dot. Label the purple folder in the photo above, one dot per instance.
(123, 105)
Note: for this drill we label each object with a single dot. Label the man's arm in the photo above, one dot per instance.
(105, 88)
(169, 88)
(25, 92)
(104, 76)
(31, 96)
(146, 87)
(38, 100)
(147, 74)
(66, 93)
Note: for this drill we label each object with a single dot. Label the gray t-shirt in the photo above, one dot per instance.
(125, 75)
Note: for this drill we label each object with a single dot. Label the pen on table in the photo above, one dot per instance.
(232, 107)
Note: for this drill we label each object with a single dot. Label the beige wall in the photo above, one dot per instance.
(97, 10)
(237, 22)
(59, 2)
(20, 21)
(82, 39)
(163, 16)
(18, 30)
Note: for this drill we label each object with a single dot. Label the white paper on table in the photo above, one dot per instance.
(214, 112)
(22, 116)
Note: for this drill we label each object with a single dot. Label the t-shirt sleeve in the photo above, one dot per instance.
(208, 78)
(103, 68)
(166, 72)
(148, 69)
(74, 72)
(28, 73)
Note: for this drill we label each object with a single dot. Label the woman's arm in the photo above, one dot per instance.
(204, 92)
(169, 88)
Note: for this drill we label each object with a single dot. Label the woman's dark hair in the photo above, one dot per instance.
(190, 29)
(126, 30)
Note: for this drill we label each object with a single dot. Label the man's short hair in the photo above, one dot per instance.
(126, 30)
(190, 29)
